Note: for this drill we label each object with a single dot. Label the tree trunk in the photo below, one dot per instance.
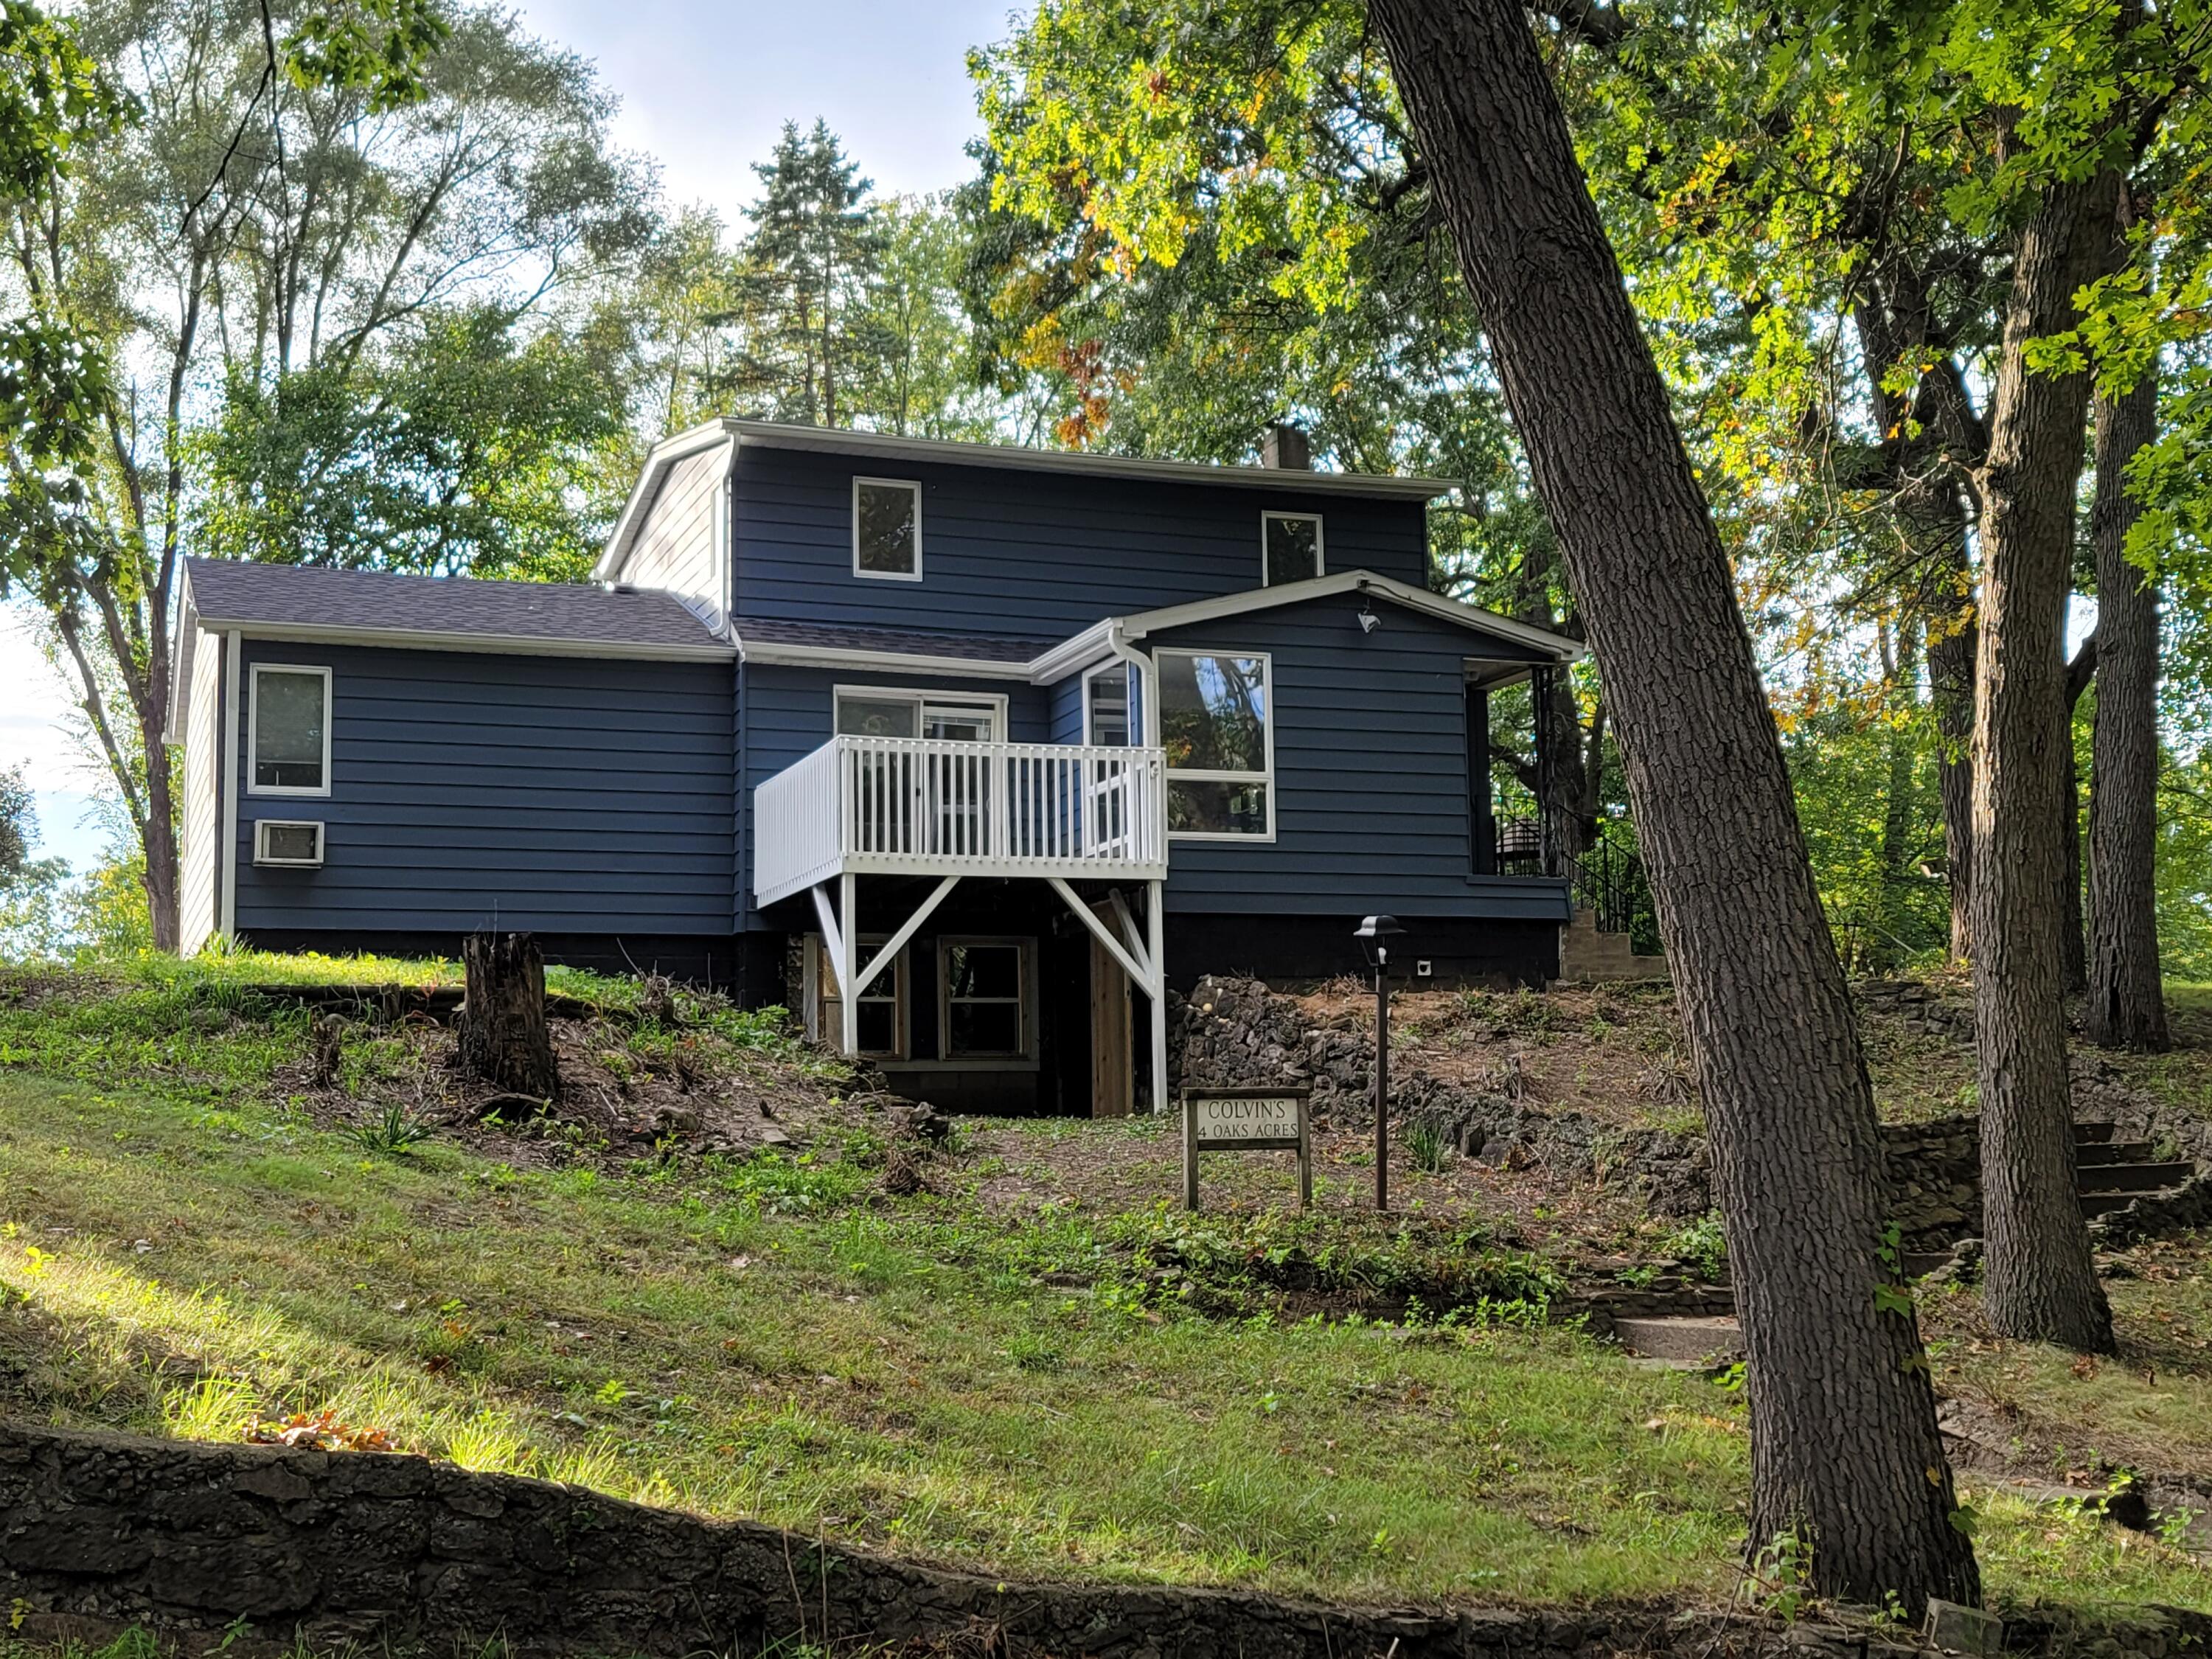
(1950, 690)
(2041, 1283)
(1845, 1451)
(2126, 1006)
(504, 1040)
(1900, 796)
(159, 835)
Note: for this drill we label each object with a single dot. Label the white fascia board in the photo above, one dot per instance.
(502, 644)
(1556, 647)
(180, 666)
(776, 434)
(1094, 645)
(777, 654)
(666, 453)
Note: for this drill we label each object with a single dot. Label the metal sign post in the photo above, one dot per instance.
(1246, 1121)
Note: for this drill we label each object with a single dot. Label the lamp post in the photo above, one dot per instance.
(1374, 934)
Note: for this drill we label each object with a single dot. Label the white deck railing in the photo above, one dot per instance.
(909, 806)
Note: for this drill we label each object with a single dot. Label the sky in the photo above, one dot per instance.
(705, 87)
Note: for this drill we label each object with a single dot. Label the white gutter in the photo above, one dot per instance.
(410, 639)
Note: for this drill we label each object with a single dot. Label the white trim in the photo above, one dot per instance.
(421, 639)
(261, 854)
(995, 701)
(233, 777)
(1082, 691)
(1025, 1003)
(253, 786)
(831, 933)
(1156, 923)
(1212, 774)
(779, 654)
(826, 989)
(1320, 557)
(665, 454)
(908, 929)
(1070, 654)
(914, 487)
(1557, 646)
(1134, 962)
(777, 435)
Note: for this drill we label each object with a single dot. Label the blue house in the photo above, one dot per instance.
(968, 752)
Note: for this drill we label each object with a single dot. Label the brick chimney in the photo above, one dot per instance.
(1285, 447)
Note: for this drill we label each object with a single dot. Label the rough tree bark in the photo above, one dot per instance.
(504, 1038)
(2126, 1006)
(1844, 1451)
(2071, 893)
(2041, 1284)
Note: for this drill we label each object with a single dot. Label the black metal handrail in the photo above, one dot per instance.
(1609, 882)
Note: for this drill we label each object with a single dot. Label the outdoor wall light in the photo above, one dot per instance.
(1375, 934)
(1369, 622)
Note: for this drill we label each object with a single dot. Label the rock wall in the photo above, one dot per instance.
(101, 1531)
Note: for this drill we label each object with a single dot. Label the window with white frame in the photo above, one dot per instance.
(983, 998)
(871, 712)
(1108, 711)
(880, 1028)
(1290, 548)
(289, 729)
(887, 528)
(1215, 727)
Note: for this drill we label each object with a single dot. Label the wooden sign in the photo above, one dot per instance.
(1245, 1121)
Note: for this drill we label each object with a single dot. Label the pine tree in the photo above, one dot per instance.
(804, 275)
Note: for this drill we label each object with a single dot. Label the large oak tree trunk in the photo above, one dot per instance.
(2041, 1283)
(1844, 1451)
(504, 1038)
(1950, 690)
(2126, 1006)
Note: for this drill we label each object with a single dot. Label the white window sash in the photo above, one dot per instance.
(1210, 774)
(254, 786)
(912, 486)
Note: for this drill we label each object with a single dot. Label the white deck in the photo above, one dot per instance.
(922, 807)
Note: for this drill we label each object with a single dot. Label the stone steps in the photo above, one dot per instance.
(2134, 1178)
(2104, 1154)
(1684, 1340)
(1588, 956)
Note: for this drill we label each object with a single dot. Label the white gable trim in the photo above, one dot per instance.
(1557, 646)
(642, 495)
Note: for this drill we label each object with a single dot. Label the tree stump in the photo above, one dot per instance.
(504, 1039)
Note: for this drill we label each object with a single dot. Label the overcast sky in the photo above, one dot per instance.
(704, 88)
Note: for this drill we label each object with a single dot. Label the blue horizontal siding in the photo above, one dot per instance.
(552, 794)
(1020, 554)
(1371, 809)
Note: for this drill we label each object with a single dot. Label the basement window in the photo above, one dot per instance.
(984, 987)
(289, 729)
(882, 1031)
(293, 844)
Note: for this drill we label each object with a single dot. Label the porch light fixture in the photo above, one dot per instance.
(1369, 622)
(1374, 934)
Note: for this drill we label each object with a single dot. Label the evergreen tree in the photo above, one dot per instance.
(803, 279)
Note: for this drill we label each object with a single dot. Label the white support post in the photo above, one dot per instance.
(1158, 954)
(897, 941)
(833, 936)
(1138, 969)
(849, 964)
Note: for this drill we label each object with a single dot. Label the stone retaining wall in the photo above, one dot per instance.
(102, 1532)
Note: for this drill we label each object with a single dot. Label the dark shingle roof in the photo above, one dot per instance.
(839, 637)
(315, 600)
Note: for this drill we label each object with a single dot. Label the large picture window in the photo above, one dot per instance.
(887, 528)
(1216, 710)
(289, 729)
(1290, 545)
(984, 989)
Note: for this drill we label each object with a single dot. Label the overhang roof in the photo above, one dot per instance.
(374, 607)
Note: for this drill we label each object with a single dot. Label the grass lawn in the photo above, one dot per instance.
(184, 1249)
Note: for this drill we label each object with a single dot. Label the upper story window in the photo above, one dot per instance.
(289, 729)
(887, 528)
(1216, 727)
(1290, 544)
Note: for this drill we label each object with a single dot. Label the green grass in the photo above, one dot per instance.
(1048, 1393)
